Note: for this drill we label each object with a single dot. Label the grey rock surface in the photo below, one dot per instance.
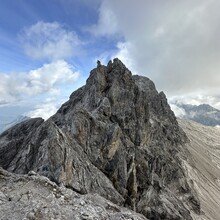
(116, 136)
(36, 197)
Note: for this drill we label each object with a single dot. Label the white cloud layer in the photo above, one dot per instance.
(179, 112)
(50, 40)
(47, 79)
(44, 110)
(107, 22)
(175, 43)
(195, 99)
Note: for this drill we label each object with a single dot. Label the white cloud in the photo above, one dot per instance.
(121, 52)
(50, 40)
(179, 112)
(175, 43)
(107, 22)
(49, 75)
(195, 99)
(124, 56)
(44, 110)
(47, 79)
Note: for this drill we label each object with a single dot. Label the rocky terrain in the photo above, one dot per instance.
(35, 197)
(116, 137)
(203, 114)
(204, 148)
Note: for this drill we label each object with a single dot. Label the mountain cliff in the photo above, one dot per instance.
(116, 136)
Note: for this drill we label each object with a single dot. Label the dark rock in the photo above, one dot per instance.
(116, 136)
(98, 63)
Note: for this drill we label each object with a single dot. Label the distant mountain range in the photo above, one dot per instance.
(203, 114)
(8, 122)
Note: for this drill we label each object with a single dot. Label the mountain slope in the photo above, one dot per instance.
(116, 136)
(204, 148)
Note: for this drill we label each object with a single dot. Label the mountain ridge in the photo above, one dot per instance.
(116, 136)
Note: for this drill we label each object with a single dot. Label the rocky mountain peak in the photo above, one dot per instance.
(115, 136)
(103, 75)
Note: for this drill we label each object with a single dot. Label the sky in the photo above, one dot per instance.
(47, 49)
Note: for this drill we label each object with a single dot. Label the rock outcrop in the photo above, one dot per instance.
(116, 136)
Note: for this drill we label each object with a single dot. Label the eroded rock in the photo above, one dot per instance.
(116, 136)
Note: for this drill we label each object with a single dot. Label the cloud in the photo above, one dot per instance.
(107, 23)
(175, 43)
(50, 40)
(195, 99)
(49, 76)
(123, 54)
(47, 79)
(43, 110)
(3, 102)
(179, 112)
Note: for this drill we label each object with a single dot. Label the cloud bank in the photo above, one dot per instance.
(47, 79)
(51, 43)
(175, 43)
(43, 110)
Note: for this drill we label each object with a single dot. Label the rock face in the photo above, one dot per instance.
(116, 136)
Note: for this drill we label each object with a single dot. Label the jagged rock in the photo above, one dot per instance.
(36, 197)
(116, 136)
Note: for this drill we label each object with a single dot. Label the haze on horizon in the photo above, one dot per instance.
(49, 47)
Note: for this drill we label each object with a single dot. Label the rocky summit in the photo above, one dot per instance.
(116, 137)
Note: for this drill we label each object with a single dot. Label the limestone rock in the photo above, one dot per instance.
(116, 136)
